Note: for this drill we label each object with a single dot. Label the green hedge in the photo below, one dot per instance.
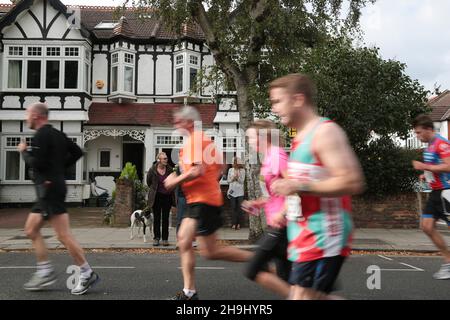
(388, 169)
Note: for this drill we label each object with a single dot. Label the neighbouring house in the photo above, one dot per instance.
(112, 86)
(440, 114)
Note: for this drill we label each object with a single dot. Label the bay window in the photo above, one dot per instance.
(47, 68)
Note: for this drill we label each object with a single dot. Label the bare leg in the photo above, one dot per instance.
(186, 234)
(33, 227)
(300, 293)
(61, 226)
(211, 250)
(271, 282)
(429, 228)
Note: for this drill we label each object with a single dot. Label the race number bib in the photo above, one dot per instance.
(294, 208)
(429, 177)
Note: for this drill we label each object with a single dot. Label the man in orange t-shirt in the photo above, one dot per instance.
(201, 166)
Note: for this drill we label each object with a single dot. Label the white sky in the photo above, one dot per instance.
(412, 31)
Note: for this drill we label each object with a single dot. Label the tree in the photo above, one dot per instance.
(373, 100)
(245, 36)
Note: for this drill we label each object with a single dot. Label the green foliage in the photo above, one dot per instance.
(388, 168)
(140, 191)
(129, 172)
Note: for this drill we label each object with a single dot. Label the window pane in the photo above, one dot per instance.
(114, 79)
(71, 75)
(71, 172)
(12, 165)
(179, 80)
(86, 77)
(128, 79)
(34, 75)
(15, 74)
(192, 79)
(105, 159)
(52, 75)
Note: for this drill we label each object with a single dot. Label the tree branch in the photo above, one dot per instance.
(220, 54)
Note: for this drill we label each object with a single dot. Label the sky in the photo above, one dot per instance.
(410, 31)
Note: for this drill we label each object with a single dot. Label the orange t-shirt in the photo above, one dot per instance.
(199, 149)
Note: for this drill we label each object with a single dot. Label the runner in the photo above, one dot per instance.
(201, 171)
(51, 153)
(273, 245)
(436, 167)
(322, 172)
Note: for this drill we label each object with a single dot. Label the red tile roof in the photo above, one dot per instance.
(440, 106)
(142, 114)
(138, 27)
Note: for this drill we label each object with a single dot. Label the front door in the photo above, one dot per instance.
(134, 153)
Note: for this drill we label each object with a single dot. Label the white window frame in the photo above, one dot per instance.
(12, 53)
(4, 149)
(122, 62)
(100, 168)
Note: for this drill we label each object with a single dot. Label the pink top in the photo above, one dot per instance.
(275, 163)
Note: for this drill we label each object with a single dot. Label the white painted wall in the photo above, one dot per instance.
(27, 193)
(444, 129)
(100, 72)
(11, 101)
(10, 126)
(29, 26)
(163, 74)
(72, 127)
(102, 142)
(208, 61)
(145, 74)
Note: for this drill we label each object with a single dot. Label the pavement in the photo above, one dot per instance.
(89, 231)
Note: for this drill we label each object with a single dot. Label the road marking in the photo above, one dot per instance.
(411, 270)
(208, 268)
(408, 265)
(381, 256)
(93, 267)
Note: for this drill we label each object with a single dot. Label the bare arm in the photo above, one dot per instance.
(345, 175)
(333, 148)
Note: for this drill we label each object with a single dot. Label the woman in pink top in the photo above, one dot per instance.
(273, 244)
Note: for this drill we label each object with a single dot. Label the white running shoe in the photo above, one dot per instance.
(85, 283)
(443, 273)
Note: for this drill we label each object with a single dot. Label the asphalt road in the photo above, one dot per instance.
(130, 276)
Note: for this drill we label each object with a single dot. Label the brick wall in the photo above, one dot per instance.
(392, 212)
(124, 203)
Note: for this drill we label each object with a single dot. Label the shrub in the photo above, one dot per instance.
(388, 169)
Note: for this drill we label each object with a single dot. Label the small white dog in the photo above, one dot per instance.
(141, 219)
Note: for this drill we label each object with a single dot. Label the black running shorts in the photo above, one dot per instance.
(437, 207)
(319, 275)
(208, 217)
(50, 200)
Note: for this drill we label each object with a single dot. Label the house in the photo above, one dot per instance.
(440, 114)
(112, 86)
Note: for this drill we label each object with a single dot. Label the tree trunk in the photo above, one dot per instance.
(256, 223)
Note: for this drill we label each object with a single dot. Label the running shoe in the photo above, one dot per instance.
(181, 296)
(39, 282)
(85, 283)
(443, 273)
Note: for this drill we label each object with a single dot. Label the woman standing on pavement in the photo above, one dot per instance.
(160, 199)
(236, 179)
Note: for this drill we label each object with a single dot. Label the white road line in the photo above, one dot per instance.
(93, 267)
(408, 265)
(208, 268)
(411, 270)
(381, 256)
